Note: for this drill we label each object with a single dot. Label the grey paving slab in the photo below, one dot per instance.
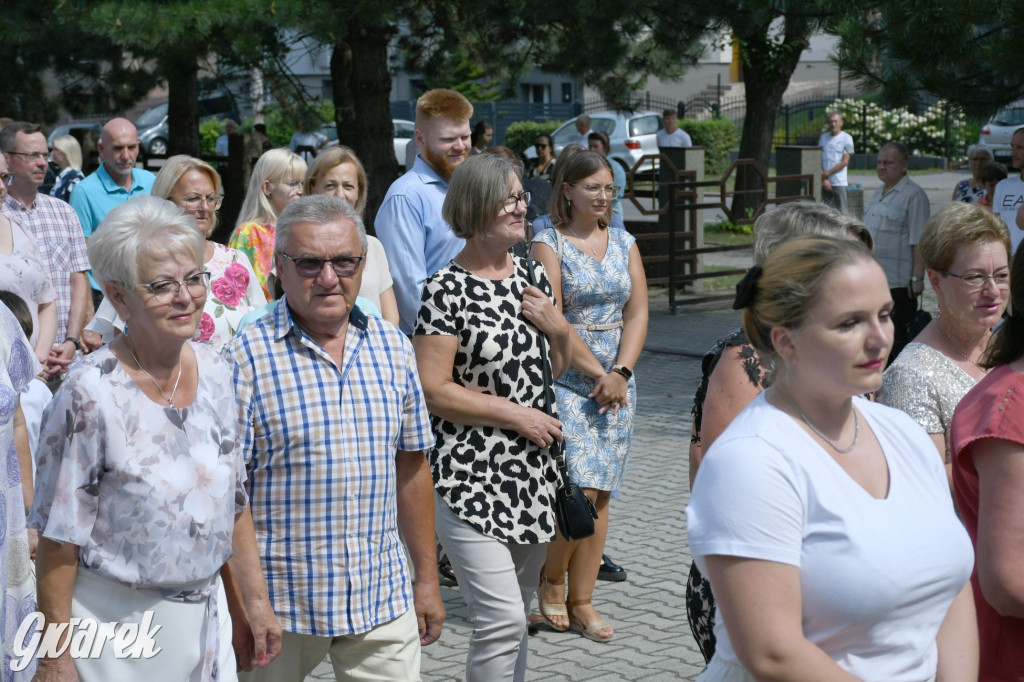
(647, 533)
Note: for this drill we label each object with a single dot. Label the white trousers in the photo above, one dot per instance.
(498, 581)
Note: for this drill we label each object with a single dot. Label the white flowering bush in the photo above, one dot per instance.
(924, 135)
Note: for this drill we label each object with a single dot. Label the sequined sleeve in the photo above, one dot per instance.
(926, 385)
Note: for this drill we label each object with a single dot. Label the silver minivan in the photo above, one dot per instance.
(995, 135)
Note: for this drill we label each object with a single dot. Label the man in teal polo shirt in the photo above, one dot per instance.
(116, 180)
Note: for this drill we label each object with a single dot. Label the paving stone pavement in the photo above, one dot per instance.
(647, 534)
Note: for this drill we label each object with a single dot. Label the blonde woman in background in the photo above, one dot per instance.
(338, 172)
(276, 181)
(67, 154)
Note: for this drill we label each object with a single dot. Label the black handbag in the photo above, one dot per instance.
(918, 321)
(574, 511)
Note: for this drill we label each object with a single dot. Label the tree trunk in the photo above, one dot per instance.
(362, 102)
(182, 72)
(767, 71)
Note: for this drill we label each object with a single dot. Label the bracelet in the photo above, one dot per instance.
(623, 371)
(74, 340)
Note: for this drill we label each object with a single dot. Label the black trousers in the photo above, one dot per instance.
(904, 306)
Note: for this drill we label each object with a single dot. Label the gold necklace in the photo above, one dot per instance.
(956, 348)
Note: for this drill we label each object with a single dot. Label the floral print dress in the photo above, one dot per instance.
(594, 292)
(256, 241)
(18, 365)
(234, 291)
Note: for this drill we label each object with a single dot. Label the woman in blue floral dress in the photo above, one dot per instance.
(604, 297)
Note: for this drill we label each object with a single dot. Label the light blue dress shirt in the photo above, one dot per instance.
(417, 241)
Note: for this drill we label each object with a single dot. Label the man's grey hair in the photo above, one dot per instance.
(798, 219)
(320, 209)
(142, 228)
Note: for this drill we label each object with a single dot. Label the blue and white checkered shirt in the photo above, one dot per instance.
(319, 445)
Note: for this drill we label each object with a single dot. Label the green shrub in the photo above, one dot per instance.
(725, 225)
(923, 135)
(718, 136)
(521, 134)
(209, 131)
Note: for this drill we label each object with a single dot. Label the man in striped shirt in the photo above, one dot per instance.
(334, 424)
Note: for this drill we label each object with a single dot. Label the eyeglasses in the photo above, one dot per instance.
(166, 290)
(195, 202)
(513, 201)
(291, 185)
(596, 190)
(31, 156)
(343, 266)
(6, 177)
(976, 280)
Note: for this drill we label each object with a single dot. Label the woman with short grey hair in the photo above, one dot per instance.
(140, 494)
(478, 346)
(972, 189)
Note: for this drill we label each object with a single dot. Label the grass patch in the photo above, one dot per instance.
(719, 283)
(714, 237)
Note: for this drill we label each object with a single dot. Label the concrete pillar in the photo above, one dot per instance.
(793, 160)
(689, 225)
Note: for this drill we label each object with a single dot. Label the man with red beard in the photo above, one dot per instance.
(418, 242)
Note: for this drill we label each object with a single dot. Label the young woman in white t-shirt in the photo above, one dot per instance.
(824, 520)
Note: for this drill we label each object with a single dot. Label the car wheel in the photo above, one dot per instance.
(158, 147)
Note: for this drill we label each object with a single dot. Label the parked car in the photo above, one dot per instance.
(403, 132)
(76, 129)
(632, 135)
(995, 135)
(153, 128)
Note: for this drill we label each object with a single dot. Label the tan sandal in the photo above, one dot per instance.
(551, 610)
(589, 631)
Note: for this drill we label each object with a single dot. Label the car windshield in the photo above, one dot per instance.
(152, 116)
(404, 130)
(1010, 116)
(644, 125)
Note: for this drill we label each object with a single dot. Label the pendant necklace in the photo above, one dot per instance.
(170, 398)
(585, 242)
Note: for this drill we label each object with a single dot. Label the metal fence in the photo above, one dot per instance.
(501, 114)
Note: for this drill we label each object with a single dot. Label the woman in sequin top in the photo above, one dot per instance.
(966, 250)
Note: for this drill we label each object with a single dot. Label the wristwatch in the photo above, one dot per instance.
(915, 278)
(74, 340)
(624, 371)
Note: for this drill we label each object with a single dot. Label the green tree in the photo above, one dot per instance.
(960, 51)
(172, 39)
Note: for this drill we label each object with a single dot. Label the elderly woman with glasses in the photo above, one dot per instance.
(141, 489)
(234, 289)
(478, 346)
(967, 252)
(601, 289)
(972, 189)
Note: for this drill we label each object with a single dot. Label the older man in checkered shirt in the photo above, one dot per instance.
(334, 428)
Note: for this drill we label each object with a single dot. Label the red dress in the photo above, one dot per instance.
(992, 409)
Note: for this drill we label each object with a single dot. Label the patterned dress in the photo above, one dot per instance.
(594, 293)
(234, 291)
(18, 365)
(256, 241)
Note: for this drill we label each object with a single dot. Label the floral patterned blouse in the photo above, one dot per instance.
(256, 241)
(234, 291)
(148, 493)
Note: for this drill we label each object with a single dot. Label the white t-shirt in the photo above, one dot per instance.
(679, 138)
(376, 273)
(876, 576)
(832, 149)
(1008, 197)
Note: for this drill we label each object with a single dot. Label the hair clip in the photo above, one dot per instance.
(746, 288)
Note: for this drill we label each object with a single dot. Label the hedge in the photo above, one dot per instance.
(521, 134)
(718, 136)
